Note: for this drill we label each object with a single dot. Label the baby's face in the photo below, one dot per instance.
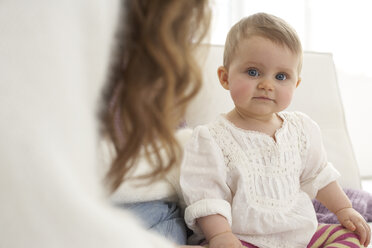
(262, 76)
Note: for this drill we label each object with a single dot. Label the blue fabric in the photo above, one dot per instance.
(162, 217)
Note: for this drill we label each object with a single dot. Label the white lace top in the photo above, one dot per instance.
(263, 187)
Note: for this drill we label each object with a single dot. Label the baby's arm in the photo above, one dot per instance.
(335, 199)
(217, 231)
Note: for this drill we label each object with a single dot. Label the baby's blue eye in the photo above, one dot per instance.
(253, 72)
(281, 76)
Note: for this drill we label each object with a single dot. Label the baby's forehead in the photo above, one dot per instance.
(279, 56)
(234, 48)
(266, 39)
(261, 43)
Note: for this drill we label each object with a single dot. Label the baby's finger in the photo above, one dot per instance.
(349, 225)
(362, 232)
(368, 230)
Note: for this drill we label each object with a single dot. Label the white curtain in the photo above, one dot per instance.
(340, 27)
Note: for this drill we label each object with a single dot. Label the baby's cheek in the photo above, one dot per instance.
(286, 98)
(240, 92)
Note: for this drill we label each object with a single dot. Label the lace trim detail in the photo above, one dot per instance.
(270, 171)
(297, 119)
(233, 155)
(277, 205)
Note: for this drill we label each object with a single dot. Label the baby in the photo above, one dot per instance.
(248, 178)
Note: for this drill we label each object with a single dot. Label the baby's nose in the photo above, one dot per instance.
(266, 84)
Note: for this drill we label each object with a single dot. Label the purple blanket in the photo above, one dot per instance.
(361, 200)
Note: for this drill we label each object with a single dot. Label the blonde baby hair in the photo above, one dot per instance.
(266, 26)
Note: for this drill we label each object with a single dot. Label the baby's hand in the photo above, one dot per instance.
(225, 240)
(353, 221)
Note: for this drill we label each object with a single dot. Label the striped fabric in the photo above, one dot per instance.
(334, 236)
(329, 236)
(245, 244)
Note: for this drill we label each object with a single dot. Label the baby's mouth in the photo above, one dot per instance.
(263, 98)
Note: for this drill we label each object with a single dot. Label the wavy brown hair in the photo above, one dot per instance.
(152, 79)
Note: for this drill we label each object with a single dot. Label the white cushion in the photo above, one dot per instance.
(318, 96)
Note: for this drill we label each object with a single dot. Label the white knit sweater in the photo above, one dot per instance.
(262, 186)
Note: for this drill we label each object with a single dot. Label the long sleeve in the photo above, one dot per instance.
(317, 172)
(53, 58)
(203, 179)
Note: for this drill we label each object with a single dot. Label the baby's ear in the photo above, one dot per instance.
(223, 77)
(298, 82)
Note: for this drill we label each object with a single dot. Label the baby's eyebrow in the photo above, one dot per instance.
(254, 63)
(288, 70)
